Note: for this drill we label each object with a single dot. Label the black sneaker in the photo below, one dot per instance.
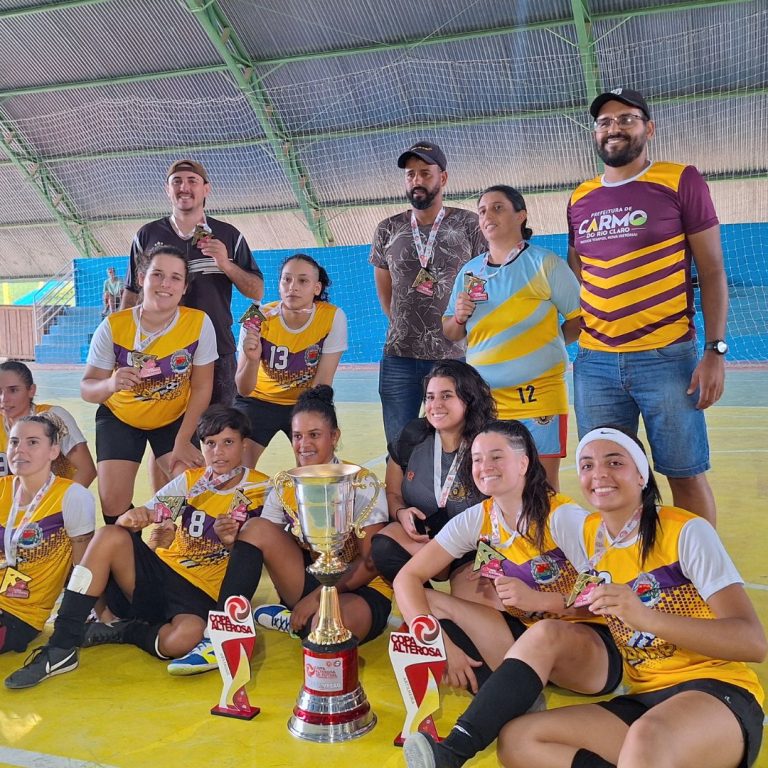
(422, 751)
(41, 664)
(99, 633)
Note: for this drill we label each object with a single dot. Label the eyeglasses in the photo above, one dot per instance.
(623, 121)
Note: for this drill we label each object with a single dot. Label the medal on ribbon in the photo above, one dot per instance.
(252, 318)
(168, 507)
(582, 589)
(145, 364)
(201, 232)
(489, 562)
(424, 282)
(475, 287)
(238, 510)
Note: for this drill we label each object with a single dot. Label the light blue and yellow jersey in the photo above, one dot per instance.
(514, 338)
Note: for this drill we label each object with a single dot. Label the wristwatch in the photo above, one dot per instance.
(718, 346)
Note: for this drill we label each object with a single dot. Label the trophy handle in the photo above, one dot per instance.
(280, 481)
(366, 478)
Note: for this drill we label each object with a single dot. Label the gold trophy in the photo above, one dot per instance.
(332, 705)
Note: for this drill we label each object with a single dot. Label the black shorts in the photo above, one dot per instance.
(15, 634)
(615, 663)
(160, 593)
(224, 379)
(267, 419)
(379, 605)
(116, 440)
(739, 700)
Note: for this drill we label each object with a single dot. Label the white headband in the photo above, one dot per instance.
(625, 441)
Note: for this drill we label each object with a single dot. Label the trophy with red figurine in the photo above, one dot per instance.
(332, 705)
(233, 637)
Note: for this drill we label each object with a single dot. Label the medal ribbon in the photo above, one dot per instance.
(211, 482)
(12, 531)
(142, 344)
(511, 256)
(424, 252)
(441, 493)
(178, 230)
(496, 541)
(623, 535)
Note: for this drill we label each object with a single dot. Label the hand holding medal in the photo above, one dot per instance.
(125, 378)
(581, 594)
(202, 231)
(464, 309)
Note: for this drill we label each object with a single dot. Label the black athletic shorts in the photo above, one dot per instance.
(379, 605)
(739, 700)
(15, 634)
(224, 369)
(267, 419)
(160, 593)
(615, 664)
(116, 440)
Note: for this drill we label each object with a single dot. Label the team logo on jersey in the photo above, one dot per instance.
(647, 588)
(312, 355)
(544, 569)
(180, 361)
(542, 421)
(410, 475)
(31, 536)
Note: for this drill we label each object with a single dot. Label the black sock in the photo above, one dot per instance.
(586, 759)
(243, 572)
(69, 627)
(508, 693)
(388, 556)
(144, 636)
(461, 638)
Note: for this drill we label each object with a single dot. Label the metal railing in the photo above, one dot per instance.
(52, 299)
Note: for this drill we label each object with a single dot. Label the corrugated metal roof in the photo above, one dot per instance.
(507, 106)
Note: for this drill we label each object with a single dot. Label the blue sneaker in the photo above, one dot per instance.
(274, 616)
(200, 659)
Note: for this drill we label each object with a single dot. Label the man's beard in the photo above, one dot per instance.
(617, 157)
(422, 203)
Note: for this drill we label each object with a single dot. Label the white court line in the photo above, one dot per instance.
(373, 462)
(751, 585)
(21, 758)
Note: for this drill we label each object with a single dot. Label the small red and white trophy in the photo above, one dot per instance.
(418, 658)
(233, 637)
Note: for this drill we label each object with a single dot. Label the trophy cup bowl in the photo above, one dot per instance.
(332, 705)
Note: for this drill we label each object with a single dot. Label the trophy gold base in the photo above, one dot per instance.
(332, 705)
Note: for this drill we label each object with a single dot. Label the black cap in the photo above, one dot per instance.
(625, 96)
(426, 151)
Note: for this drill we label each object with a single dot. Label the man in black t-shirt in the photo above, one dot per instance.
(218, 258)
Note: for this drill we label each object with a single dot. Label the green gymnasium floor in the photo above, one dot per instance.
(121, 709)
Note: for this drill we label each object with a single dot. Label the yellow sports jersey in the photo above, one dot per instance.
(632, 239)
(62, 466)
(29, 589)
(289, 358)
(196, 552)
(650, 662)
(548, 570)
(162, 397)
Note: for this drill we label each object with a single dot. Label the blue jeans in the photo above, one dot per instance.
(616, 388)
(401, 391)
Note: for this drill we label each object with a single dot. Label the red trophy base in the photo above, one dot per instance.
(427, 725)
(241, 709)
(332, 705)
